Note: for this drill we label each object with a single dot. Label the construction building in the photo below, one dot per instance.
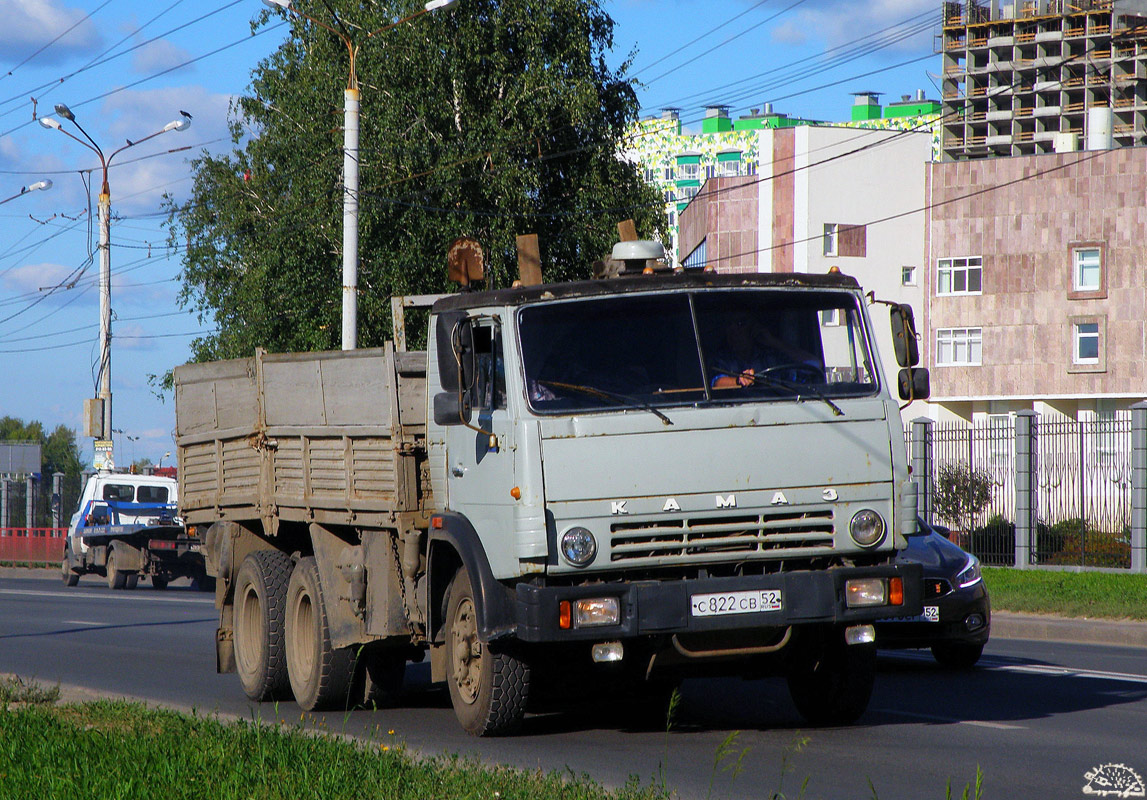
(1042, 76)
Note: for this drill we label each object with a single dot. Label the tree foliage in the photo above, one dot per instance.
(496, 119)
(961, 494)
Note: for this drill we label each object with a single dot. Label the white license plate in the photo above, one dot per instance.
(720, 603)
(931, 613)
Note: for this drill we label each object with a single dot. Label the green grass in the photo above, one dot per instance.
(120, 750)
(1069, 594)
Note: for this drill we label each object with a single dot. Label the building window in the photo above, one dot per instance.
(710, 171)
(908, 276)
(669, 173)
(650, 174)
(691, 192)
(1088, 278)
(689, 172)
(960, 275)
(846, 241)
(958, 347)
(696, 259)
(1088, 344)
(729, 167)
(670, 196)
(830, 317)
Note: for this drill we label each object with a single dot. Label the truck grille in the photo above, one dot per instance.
(700, 538)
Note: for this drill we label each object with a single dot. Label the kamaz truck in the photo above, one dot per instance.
(562, 492)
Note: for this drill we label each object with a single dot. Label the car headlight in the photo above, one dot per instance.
(578, 546)
(866, 528)
(970, 575)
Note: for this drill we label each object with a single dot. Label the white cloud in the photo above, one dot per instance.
(159, 56)
(30, 278)
(839, 21)
(32, 24)
(148, 170)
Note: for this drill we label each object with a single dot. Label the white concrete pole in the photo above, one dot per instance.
(350, 220)
(105, 392)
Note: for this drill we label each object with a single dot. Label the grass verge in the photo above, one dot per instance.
(1068, 594)
(122, 750)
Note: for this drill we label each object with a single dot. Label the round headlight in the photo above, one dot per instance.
(578, 546)
(866, 528)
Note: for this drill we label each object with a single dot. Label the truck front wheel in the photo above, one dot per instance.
(831, 682)
(488, 687)
(260, 604)
(320, 674)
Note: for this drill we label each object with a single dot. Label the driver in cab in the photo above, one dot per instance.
(750, 351)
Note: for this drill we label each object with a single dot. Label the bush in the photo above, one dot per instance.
(961, 494)
(995, 542)
(1084, 546)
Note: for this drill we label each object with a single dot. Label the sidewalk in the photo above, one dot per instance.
(1005, 624)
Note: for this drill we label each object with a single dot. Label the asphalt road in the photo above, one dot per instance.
(1035, 717)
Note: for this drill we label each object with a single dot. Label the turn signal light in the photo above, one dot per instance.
(565, 616)
(896, 592)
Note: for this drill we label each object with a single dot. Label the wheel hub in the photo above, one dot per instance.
(467, 652)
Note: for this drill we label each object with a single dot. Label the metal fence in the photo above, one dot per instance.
(1071, 494)
(32, 545)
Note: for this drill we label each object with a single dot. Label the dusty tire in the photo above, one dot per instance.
(117, 579)
(488, 688)
(832, 683)
(320, 675)
(158, 582)
(131, 581)
(259, 614)
(70, 576)
(957, 656)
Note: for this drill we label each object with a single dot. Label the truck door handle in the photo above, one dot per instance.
(457, 470)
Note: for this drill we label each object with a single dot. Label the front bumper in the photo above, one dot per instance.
(664, 607)
(955, 621)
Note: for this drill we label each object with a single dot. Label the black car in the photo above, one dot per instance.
(957, 616)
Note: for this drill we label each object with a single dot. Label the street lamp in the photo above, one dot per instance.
(350, 159)
(182, 124)
(43, 185)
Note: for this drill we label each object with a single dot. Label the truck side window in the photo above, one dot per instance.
(119, 492)
(490, 381)
(151, 494)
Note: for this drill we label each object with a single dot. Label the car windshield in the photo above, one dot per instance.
(685, 348)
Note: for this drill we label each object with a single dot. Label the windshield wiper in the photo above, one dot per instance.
(764, 377)
(593, 391)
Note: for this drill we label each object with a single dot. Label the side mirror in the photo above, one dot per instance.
(904, 335)
(452, 408)
(455, 342)
(914, 384)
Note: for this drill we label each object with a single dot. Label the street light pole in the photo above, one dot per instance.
(351, 108)
(105, 209)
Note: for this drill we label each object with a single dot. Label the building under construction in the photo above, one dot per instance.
(1043, 76)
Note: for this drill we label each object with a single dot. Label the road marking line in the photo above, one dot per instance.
(80, 622)
(143, 597)
(1070, 672)
(935, 718)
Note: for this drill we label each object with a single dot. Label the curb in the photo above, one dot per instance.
(1070, 630)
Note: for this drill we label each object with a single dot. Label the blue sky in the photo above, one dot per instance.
(128, 67)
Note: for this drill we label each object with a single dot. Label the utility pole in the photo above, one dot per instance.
(101, 410)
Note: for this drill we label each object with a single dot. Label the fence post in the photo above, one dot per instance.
(1139, 487)
(57, 500)
(1027, 485)
(5, 504)
(30, 503)
(922, 465)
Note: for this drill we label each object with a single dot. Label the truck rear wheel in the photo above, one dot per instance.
(832, 683)
(158, 582)
(488, 687)
(117, 578)
(260, 610)
(320, 675)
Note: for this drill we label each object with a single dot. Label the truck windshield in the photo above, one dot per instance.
(685, 348)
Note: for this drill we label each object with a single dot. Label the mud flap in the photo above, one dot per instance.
(224, 650)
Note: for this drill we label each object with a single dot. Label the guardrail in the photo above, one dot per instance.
(25, 545)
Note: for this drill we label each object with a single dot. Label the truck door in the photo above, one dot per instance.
(480, 476)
